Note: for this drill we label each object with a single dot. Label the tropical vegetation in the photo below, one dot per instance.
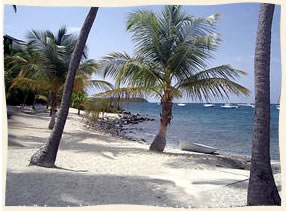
(171, 59)
(46, 155)
(43, 65)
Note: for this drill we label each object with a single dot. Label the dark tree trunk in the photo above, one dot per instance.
(53, 120)
(53, 111)
(34, 102)
(262, 189)
(49, 100)
(46, 155)
(78, 111)
(159, 141)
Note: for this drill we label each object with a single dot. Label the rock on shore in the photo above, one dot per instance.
(116, 125)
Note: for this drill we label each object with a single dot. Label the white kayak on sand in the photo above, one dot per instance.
(194, 147)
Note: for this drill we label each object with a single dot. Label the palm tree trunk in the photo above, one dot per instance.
(53, 111)
(159, 141)
(53, 120)
(34, 102)
(46, 155)
(53, 98)
(262, 189)
(48, 102)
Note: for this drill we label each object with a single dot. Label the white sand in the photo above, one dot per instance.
(99, 169)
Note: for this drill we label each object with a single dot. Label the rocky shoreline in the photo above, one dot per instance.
(118, 126)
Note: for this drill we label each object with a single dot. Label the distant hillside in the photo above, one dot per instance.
(126, 100)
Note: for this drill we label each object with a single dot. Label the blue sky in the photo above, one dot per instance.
(237, 25)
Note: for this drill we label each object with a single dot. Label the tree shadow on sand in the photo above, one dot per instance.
(63, 189)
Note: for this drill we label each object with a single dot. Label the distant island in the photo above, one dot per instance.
(125, 100)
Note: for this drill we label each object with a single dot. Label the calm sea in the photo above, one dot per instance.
(229, 130)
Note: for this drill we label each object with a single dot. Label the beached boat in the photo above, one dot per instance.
(194, 147)
(209, 105)
(228, 105)
(181, 104)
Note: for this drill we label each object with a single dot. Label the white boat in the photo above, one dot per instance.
(243, 104)
(278, 107)
(246, 105)
(228, 105)
(209, 105)
(181, 104)
(194, 147)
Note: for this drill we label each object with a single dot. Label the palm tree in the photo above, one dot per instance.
(46, 155)
(16, 82)
(78, 100)
(262, 189)
(44, 66)
(172, 53)
(54, 52)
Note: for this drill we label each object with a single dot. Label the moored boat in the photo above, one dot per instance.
(246, 105)
(181, 104)
(228, 105)
(194, 147)
(209, 105)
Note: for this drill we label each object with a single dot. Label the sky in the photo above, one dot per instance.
(237, 25)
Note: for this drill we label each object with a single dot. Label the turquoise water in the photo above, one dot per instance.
(229, 130)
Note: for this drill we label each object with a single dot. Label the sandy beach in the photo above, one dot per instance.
(95, 168)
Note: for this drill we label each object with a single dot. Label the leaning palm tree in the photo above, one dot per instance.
(172, 53)
(46, 155)
(262, 189)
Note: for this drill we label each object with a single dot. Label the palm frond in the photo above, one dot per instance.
(99, 84)
(41, 97)
(125, 93)
(135, 72)
(27, 83)
(222, 71)
(88, 67)
(211, 88)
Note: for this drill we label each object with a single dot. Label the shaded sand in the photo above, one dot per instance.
(97, 169)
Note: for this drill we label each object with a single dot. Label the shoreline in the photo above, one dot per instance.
(114, 125)
(109, 170)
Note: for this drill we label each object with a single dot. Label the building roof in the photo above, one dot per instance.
(20, 42)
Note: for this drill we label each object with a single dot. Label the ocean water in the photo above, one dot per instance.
(229, 130)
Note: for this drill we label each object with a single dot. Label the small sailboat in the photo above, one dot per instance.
(194, 147)
(209, 105)
(181, 104)
(228, 105)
